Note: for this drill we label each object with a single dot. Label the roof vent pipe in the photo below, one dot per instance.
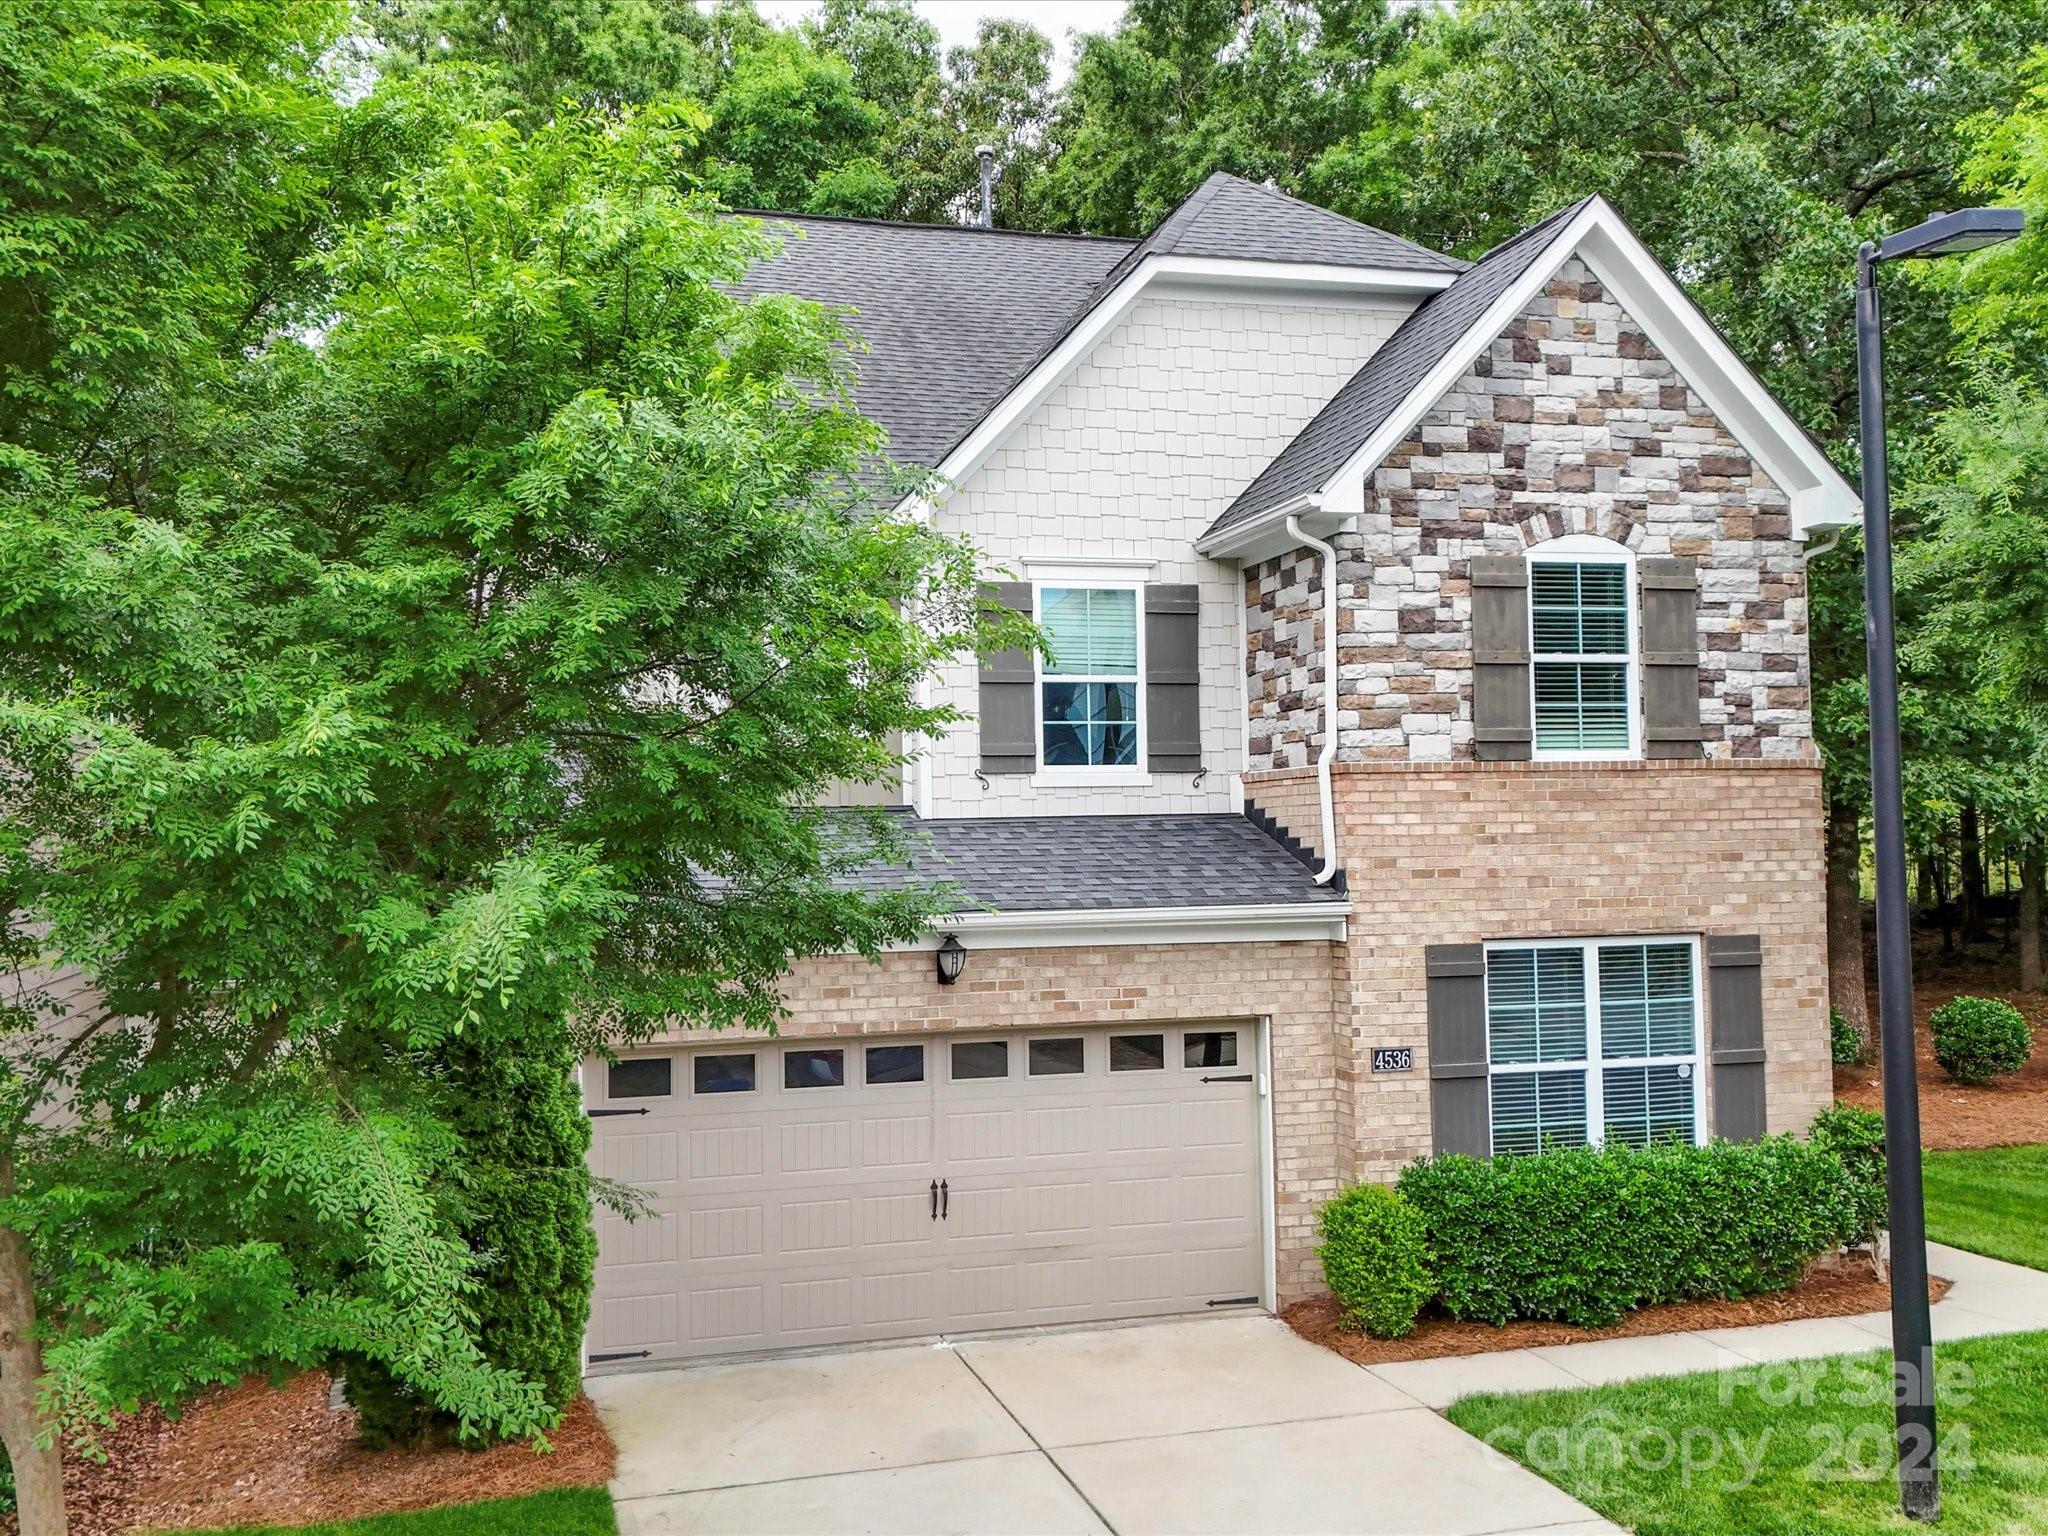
(986, 154)
(1323, 759)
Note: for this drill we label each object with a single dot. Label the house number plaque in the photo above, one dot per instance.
(1393, 1058)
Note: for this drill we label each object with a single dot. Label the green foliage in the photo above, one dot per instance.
(1845, 1044)
(1584, 1235)
(1855, 1137)
(459, 682)
(1979, 1038)
(557, 1512)
(1375, 1259)
(522, 1200)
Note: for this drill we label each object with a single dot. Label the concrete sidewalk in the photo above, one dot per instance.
(1988, 1296)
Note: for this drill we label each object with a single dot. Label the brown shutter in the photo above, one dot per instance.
(1671, 657)
(1459, 1104)
(1009, 683)
(1173, 679)
(1500, 658)
(1735, 1015)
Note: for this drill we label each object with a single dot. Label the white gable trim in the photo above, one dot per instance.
(1298, 279)
(1820, 497)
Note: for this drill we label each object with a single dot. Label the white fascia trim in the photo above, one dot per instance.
(1820, 497)
(1264, 536)
(1031, 391)
(1323, 921)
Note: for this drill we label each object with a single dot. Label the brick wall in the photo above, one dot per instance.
(1464, 852)
(1571, 422)
(1131, 458)
(1293, 984)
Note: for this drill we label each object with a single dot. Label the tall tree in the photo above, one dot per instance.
(470, 691)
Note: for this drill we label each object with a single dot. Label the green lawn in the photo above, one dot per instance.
(560, 1512)
(1773, 1452)
(1992, 1202)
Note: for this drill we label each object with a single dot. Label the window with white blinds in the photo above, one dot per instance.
(1581, 653)
(1591, 1042)
(1089, 685)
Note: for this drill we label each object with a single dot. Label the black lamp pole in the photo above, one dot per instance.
(1912, 1329)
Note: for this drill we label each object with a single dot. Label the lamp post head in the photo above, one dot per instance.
(1952, 234)
(952, 960)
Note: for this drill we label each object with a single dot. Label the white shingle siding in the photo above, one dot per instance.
(1131, 458)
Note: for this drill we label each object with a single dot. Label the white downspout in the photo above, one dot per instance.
(1324, 758)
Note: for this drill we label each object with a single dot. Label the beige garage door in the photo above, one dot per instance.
(821, 1192)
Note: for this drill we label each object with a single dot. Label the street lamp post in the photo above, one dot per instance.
(1912, 1330)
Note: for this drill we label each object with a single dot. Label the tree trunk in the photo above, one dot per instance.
(1973, 877)
(38, 1471)
(2033, 868)
(1845, 920)
(1923, 883)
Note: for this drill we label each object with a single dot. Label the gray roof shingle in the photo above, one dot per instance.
(1089, 863)
(1376, 391)
(954, 316)
(951, 315)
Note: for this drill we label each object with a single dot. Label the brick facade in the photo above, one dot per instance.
(1467, 852)
(1571, 422)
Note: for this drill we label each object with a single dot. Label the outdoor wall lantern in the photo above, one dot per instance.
(952, 960)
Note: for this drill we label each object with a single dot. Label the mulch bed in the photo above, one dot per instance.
(2010, 1112)
(254, 1454)
(1837, 1286)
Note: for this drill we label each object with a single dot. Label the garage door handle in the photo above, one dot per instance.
(1239, 1077)
(598, 1113)
(935, 1199)
(945, 1201)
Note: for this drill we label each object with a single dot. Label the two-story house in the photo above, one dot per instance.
(1423, 763)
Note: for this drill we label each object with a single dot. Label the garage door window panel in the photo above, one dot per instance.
(640, 1077)
(1137, 1053)
(1062, 1057)
(733, 1073)
(814, 1069)
(1209, 1048)
(976, 1060)
(891, 1064)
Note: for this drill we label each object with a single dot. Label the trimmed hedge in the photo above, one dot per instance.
(1583, 1236)
(1856, 1138)
(1979, 1038)
(1376, 1259)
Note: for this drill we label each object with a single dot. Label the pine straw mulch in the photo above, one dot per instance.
(254, 1454)
(1839, 1285)
(2010, 1112)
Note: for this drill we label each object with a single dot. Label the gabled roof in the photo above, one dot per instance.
(1376, 391)
(1322, 469)
(1227, 216)
(1016, 864)
(955, 317)
(950, 313)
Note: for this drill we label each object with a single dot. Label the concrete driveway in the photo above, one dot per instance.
(1218, 1424)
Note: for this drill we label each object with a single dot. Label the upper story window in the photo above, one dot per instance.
(1582, 627)
(1593, 1042)
(1089, 686)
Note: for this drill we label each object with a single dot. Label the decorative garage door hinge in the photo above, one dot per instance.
(1228, 1301)
(1235, 1077)
(620, 1354)
(597, 1114)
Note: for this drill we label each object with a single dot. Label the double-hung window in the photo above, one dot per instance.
(1591, 1042)
(1089, 685)
(1582, 654)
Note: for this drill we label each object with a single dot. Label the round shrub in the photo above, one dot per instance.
(1376, 1260)
(1979, 1038)
(1844, 1043)
(1856, 1138)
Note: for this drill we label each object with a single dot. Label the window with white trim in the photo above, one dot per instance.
(1582, 663)
(1594, 1041)
(1088, 690)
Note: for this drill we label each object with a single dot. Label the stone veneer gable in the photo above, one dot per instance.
(1571, 422)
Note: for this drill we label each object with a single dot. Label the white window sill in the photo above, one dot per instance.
(1091, 778)
(1585, 757)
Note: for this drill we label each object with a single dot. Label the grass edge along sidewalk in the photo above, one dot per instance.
(1800, 1447)
(1989, 1201)
(555, 1512)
